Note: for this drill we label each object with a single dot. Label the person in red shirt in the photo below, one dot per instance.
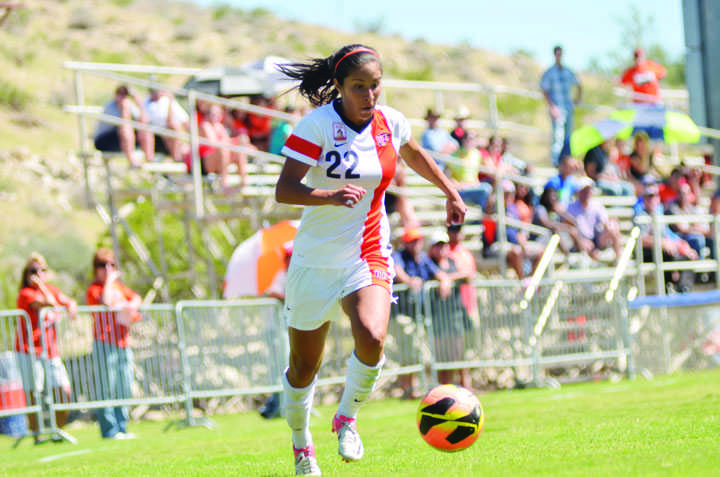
(36, 293)
(644, 78)
(111, 330)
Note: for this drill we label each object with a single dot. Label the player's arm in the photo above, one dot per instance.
(290, 190)
(421, 162)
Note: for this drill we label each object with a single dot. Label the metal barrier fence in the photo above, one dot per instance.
(202, 349)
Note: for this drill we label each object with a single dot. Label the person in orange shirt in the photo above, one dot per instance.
(36, 293)
(111, 330)
(644, 78)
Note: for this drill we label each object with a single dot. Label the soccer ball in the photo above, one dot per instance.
(450, 418)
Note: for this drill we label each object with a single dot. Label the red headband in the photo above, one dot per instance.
(358, 50)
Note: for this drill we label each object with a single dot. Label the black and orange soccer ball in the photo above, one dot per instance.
(450, 418)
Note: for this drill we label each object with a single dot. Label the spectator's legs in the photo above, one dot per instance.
(147, 144)
(175, 146)
(127, 143)
(106, 362)
(240, 160)
(696, 242)
(557, 141)
(567, 131)
(477, 195)
(514, 259)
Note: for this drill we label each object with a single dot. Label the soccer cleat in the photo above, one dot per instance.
(305, 461)
(350, 447)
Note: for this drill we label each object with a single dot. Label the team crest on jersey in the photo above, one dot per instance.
(381, 275)
(339, 132)
(382, 138)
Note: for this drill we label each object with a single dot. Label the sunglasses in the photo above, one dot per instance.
(105, 264)
(35, 271)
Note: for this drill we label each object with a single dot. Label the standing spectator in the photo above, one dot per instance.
(413, 267)
(673, 247)
(465, 262)
(113, 358)
(448, 318)
(108, 137)
(36, 293)
(164, 111)
(565, 182)
(596, 231)
(644, 78)
(556, 84)
(436, 139)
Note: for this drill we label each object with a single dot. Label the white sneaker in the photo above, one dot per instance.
(350, 447)
(305, 461)
(121, 436)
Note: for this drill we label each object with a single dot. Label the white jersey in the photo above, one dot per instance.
(331, 236)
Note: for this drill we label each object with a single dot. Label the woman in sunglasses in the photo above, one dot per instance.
(111, 330)
(36, 293)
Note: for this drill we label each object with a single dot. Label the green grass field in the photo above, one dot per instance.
(665, 426)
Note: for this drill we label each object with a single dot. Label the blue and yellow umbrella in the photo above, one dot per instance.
(659, 123)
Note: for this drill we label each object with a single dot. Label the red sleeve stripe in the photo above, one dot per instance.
(306, 148)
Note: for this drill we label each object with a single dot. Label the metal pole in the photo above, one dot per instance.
(113, 210)
(492, 109)
(716, 248)
(657, 256)
(196, 160)
(82, 140)
(501, 236)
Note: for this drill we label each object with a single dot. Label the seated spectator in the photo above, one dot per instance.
(525, 202)
(259, 126)
(518, 248)
(449, 320)
(619, 156)
(413, 267)
(492, 159)
(669, 190)
(596, 231)
(460, 133)
(164, 111)
(673, 247)
(565, 183)
(508, 158)
(35, 294)
(111, 138)
(281, 130)
(604, 172)
(435, 138)
(694, 233)
(550, 214)
(641, 161)
(217, 159)
(464, 173)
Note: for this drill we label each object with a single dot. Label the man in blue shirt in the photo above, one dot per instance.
(435, 138)
(556, 84)
(565, 182)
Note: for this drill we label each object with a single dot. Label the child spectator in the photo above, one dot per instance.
(110, 138)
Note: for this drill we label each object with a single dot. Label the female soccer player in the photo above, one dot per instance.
(348, 148)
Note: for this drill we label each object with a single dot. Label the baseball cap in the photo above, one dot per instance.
(438, 237)
(462, 113)
(411, 234)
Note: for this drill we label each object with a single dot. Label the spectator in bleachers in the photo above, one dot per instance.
(641, 161)
(112, 357)
(449, 318)
(460, 133)
(109, 137)
(673, 247)
(619, 156)
(669, 189)
(399, 202)
(604, 172)
(436, 139)
(556, 84)
(550, 214)
(216, 159)
(492, 159)
(693, 233)
(519, 249)
(259, 125)
(413, 268)
(37, 293)
(525, 202)
(465, 171)
(644, 78)
(507, 156)
(164, 111)
(565, 182)
(596, 231)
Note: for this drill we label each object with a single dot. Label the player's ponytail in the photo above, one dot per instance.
(316, 77)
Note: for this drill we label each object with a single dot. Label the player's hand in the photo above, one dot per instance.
(348, 196)
(456, 210)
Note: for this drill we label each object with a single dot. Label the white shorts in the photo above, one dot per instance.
(313, 295)
(35, 380)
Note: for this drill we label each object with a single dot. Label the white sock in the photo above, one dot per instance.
(359, 383)
(298, 402)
